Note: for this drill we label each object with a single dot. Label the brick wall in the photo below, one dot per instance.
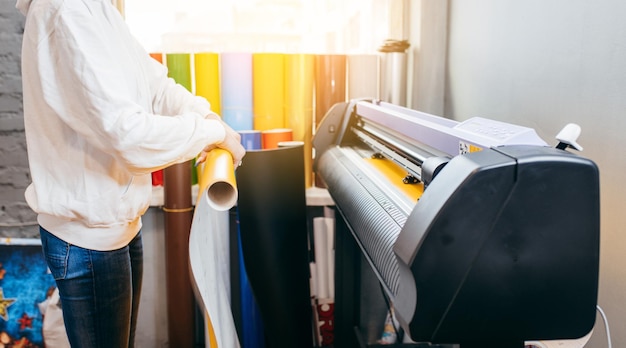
(16, 218)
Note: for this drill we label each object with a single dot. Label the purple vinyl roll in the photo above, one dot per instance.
(236, 89)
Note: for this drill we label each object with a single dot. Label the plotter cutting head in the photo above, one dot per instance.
(479, 232)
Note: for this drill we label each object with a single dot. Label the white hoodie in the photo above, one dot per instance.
(94, 115)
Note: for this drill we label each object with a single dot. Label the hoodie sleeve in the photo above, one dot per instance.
(96, 81)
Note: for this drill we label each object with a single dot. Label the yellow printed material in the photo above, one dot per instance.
(299, 86)
(217, 176)
(207, 77)
(395, 174)
(268, 90)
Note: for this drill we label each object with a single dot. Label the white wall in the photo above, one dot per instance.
(543, 64)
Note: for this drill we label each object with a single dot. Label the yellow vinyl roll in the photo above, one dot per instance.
(268, 90)
(216, 176)
(207, 77)
(299, 86)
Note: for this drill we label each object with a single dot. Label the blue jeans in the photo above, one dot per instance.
(99, 290)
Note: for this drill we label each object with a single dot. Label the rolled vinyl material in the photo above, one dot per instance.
(324, 237)
(268, 90)
(362, 76)
(393, 81)
(290, 143)
(179, 68)
(272, 213)
(158, 56)
(330, 83)
(178, 215)
(320, 238)
(216, 180)
(396, 174)
(207, 78)
(236, 89)
(299, 89)
(271, 137)
(253, 335)
(208, 260)
(250, 139)
(157, 176)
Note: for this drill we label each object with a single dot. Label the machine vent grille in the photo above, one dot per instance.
(372, 217)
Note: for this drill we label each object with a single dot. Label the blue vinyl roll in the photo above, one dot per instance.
(253, 334)
(236, 89)
(250, 139)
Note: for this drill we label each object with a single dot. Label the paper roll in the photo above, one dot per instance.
(271, 137)
(207, 77)
(362, 76)
(268, 90)
(217, 177)
(236, 89)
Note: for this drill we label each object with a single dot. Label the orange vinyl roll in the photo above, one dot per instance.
(299, 86)
(268, 90)
(330, 83)
(271, 137)
(158, 56)
(207, 77)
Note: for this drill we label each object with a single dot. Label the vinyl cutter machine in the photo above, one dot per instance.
(478, 232)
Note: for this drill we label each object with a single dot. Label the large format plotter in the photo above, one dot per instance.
(478, 232)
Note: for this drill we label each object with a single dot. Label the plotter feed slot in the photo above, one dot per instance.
(501, 247)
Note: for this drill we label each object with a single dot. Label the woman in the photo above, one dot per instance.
(100, 115)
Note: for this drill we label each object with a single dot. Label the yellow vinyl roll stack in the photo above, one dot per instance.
(268, 89)
(207, 78)
(299, 87)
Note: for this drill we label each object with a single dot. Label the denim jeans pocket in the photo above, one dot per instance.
(56, 252)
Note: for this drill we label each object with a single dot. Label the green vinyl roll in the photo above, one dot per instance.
(273, 227)
(179, 68)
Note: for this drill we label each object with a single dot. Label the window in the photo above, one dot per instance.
(288, 26)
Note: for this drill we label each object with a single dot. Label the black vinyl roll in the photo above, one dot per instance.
(273, 226)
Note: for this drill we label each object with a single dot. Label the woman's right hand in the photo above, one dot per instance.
(231, 143)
